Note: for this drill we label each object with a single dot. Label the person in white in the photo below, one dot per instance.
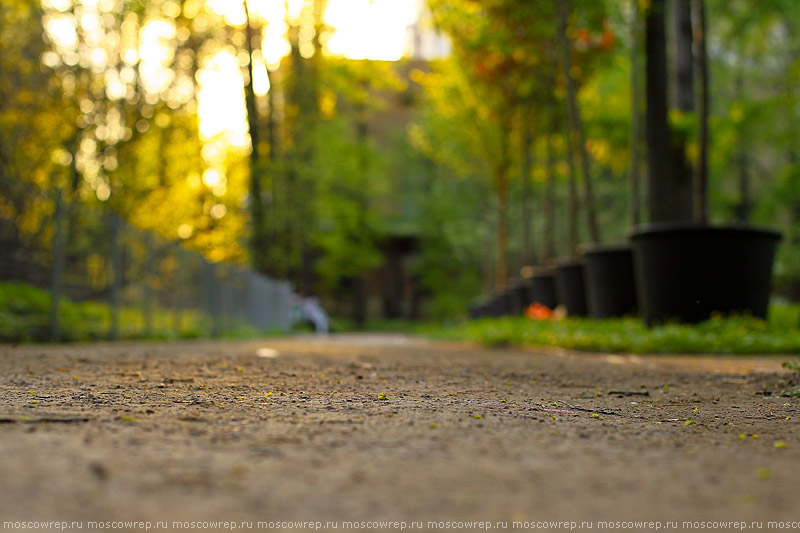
(313, 311)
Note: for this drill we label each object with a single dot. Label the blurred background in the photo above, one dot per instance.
(182, 168)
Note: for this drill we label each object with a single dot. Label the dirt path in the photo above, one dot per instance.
(380, 428)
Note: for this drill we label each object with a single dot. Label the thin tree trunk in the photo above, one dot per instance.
(147, 284)
(528, 253)
(487, 259)
(163, 161)
(744, 207)
(59, 259)
(116, 274)
(662, 198)
(362, 137)
(636, 103)
(271, 216)
(501, 278)
(576, 124)
(550, 191)
(684, 102)
(271, 126)
(684, 73)
(258, 250)
(572, 194)
(502, 184)
(701, 65)
(276, 178)
(310, 110)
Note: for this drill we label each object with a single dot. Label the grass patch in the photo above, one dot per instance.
(25, 317)
(731, 335)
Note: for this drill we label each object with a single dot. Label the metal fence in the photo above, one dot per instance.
(108, 279)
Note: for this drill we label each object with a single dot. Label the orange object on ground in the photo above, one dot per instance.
(537, 311)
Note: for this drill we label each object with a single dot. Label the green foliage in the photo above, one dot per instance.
(349, 178)
(794, 366)
(733, 335)
(25, 317)
(34, 122)
(452, 247)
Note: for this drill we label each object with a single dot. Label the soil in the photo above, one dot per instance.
(369, 428)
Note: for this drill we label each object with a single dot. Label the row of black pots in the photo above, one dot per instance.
(682, 272)
(542, 287)
(600, 283)
(513, 301)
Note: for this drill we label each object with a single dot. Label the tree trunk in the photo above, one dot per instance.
(701, 65)
(116, 274)
(744, 207)
(664, 194)
(550, 191)
(501, 274)
(576, 124)
(310, 84)
(572, 194)
(487, 263)
(528, 253)
(257, 243)
(636, 119)
(684, 102)
(684, 73)
(59, 259)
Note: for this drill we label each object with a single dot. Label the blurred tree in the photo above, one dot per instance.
(258, 160)
(452, 132)
(35, 119)
(495, 88)
(575, 129)
(351, 175)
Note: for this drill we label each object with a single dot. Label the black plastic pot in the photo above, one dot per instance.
(610, 281)
(521, 294)
(500, 304)
(477, 311)
(570, 286)
(543, 288)
(687, 272)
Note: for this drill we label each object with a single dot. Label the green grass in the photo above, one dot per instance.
(25, 317)
(731, 335)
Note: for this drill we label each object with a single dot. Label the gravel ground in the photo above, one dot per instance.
(355, 431)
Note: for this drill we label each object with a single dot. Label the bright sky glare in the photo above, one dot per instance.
(365, 29)
(370, 29)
